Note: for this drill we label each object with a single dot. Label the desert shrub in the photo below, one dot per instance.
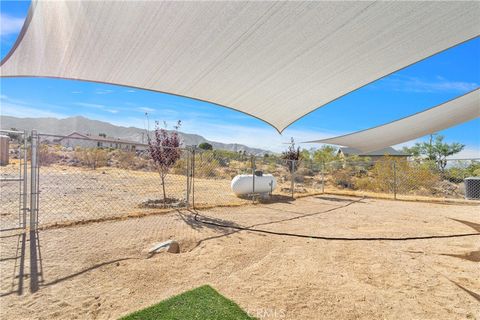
(180, 167)
(91, 157)
(303, 171)
(126, 159)
(389, 173)
(207, 169)
(47, 156)
(343, 178)
(461, 170)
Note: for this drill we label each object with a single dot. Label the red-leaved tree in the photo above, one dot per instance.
(292, 157)
(164, 148)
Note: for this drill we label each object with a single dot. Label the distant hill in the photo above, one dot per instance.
(94, 127)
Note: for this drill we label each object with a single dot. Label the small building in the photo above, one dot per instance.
(373, 155)
(76, 139)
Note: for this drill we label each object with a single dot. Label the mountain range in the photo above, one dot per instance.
(94, 127)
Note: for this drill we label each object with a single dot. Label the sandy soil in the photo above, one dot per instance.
(72, 194)
(101, 271)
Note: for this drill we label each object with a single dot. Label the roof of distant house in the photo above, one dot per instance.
(381, 152)
(101, 139)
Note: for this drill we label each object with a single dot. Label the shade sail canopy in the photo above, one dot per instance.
(443, 116)
(276, 61)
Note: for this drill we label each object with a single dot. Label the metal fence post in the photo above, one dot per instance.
(252, 163)
(33, 180)
(25, 180)
(293, 165)
(394, 180)
(188, 176)
(193, 177)
(323, 176)
(34, 203)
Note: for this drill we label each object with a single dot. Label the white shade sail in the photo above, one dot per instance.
(453, 112)
(276, 61)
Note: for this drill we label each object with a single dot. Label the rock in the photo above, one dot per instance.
(174, 247)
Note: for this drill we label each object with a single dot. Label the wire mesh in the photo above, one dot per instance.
(12, 184)
(400, 178)
(83, 182)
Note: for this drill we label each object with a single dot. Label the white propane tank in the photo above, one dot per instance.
(243, 184)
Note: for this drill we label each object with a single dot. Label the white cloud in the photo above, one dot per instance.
(259, 137)
(414, 84)
(146, 109)
(22, 109)
(90, 105)
(97, 106)
(10, 25)
(103, 91)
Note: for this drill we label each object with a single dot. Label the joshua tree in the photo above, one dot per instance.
(164, 150)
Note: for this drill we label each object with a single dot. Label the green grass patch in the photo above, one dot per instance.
(203, 303)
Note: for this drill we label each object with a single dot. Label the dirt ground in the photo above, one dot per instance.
(101, 270)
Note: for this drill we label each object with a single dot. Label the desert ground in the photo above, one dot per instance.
(102, 270)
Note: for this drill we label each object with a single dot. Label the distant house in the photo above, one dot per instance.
(76, 139)
(374, 155)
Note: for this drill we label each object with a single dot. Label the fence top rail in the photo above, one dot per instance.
(93, 138)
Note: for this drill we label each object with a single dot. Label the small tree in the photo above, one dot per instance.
(292, 156)
(205, 146)
(325, 154)
(164, 150)
(436, 150)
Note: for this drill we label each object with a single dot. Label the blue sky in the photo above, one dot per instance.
(416, 88)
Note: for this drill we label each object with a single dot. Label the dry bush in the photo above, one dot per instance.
(91, 157)
(389, 174)
(180, 167)
(47, 155)
(126, 159)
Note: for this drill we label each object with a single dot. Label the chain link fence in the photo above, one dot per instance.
(80, 180)
(405, 179)
(13, 188)
(83, 179)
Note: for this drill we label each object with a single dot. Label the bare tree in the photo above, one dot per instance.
(164, 150)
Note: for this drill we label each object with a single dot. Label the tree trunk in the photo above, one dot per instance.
(162, 176)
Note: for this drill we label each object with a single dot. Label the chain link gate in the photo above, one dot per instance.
(19, 208)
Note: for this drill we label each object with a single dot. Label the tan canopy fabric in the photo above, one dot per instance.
(448, 114)
(276, 61)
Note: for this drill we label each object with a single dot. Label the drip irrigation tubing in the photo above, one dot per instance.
(226, 226)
